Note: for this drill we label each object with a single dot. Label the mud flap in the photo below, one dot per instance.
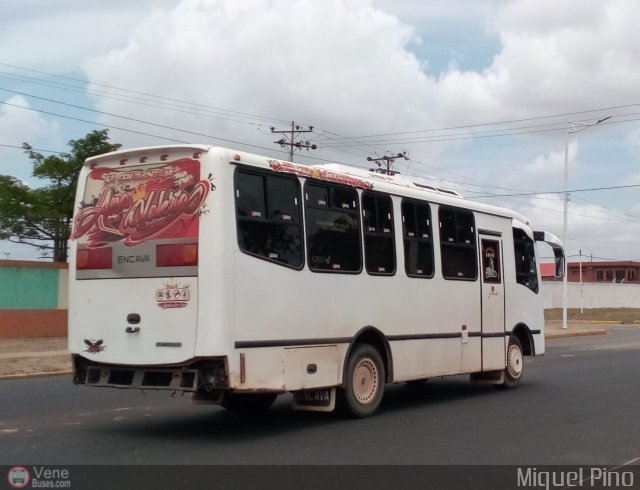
(316, 400)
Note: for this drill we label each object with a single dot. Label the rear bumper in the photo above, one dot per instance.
(198, 375)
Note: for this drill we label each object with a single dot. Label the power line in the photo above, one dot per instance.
(94, 123)
(605, 209)
(480, 135)
(112, 87)
(202, 111)
(357, 144)
(360, 145)
(591, 189)
(463, 183)
(497, 123)
(244, 143)
(138, 121)
(36, 149)
(352, 138)
(127, 119)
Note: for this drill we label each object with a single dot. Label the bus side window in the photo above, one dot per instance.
(458, 244)
(379, 241)
(418, 245)
(333, 228)
(525, 255)
(250, 195)
(268, 217)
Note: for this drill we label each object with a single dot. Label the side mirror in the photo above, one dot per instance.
(559, 259)
(556, 246)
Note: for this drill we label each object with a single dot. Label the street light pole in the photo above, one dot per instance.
(572, 127)
(564, 229)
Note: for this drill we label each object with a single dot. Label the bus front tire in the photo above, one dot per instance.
(364, 382)
(248, 402)
(515, 364)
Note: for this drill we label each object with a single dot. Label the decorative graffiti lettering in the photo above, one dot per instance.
(148, 217)
(120, 177)
(319, 173)
(137, 205)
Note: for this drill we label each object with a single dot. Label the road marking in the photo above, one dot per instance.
(626, 346)
(591, 479)
(628, 463)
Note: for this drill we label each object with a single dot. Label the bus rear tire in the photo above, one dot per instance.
(515, 364)
(248, 402)
(364, 382)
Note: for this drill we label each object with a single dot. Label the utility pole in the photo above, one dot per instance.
(581, 301)
(572, 127)
(388, 163)
(289, 139)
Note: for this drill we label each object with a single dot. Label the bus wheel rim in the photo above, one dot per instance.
(365, 381)
(515, 362)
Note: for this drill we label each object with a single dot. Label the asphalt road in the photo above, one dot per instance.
(579, 404)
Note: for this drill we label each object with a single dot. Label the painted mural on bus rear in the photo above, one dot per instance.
(237, 278)
(124, 208)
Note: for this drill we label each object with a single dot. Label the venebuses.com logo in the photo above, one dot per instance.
(38, 477)
(18, 477)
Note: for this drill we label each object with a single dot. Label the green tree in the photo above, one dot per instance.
(41, 217)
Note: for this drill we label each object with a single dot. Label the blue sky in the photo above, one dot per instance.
(408, 70)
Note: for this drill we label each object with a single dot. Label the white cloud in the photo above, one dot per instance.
(55, 37)
(339, 64)
(18, 126)
(539, 171)
(349, 66)
(563, 55)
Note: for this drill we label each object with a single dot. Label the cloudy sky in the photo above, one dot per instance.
(479, 93)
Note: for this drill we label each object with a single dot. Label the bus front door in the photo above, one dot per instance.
(492, 303)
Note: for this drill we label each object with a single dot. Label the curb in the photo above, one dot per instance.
(583, 333)
(34, 375)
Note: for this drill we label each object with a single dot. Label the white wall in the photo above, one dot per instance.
(593, 295)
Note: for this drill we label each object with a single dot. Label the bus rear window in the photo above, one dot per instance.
(140, 221)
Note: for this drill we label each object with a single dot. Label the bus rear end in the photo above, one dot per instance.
(133, 302)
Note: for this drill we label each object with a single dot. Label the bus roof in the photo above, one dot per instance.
(357, 177)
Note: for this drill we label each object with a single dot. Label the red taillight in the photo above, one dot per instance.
(94, 258)
(177, 255)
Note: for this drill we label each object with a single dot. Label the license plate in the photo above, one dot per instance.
(319, 400)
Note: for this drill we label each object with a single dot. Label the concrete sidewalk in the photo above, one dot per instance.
(14, 355)
(34, 357)
(554, 330)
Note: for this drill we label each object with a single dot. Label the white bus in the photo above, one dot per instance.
(238, 277)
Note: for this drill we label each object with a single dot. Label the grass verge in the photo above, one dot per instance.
(623, 315)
